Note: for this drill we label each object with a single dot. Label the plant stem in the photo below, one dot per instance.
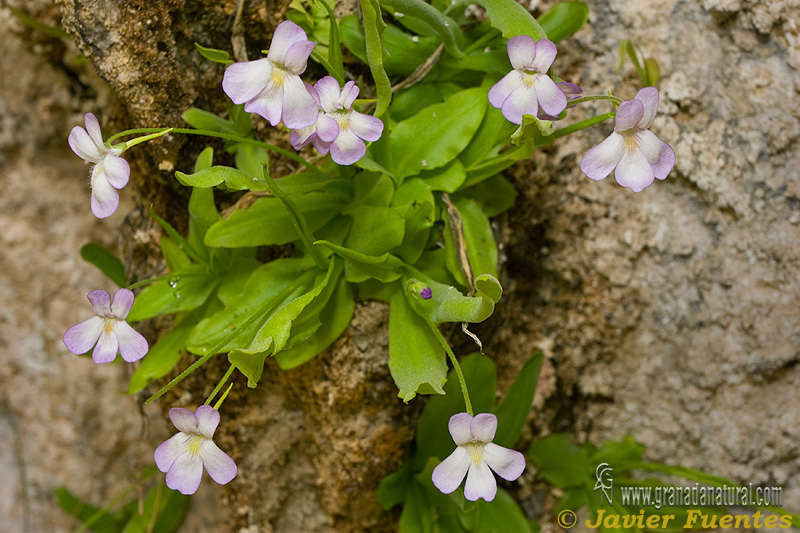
(220, 385)
(456, 366)
(584, 124)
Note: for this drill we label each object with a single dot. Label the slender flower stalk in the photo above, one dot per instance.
(110, 171)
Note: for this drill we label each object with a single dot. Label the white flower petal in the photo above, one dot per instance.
(83, 146)
(80, 338)
(101, 302)
(268, 103)
(659, 154)
(500, 91)
(629, 113)
(459, 427)
(185, 473)
(117, 170)
(286, 34)
(633, 171)
(599, 161)
(169, 450)
(322, 147)
(508, 464)
(132, 344)
(367, 127)
(300, 110)
(183, 419)
(329, 94)
(296, 58)
(480, 483)
(551, 98)
(327, 128)
(545, 55)
(106, 349)
(349, 94)
(123, 301)
(521, 51)
(483, 427)
(207, 420)
(649, 99)
(520, 102)
(243, 81)
(347, 148)
(93, 128)
(449, 474)
(218, 464)
(105, 198)
(303, 136)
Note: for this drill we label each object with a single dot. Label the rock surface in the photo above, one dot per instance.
(670, 314)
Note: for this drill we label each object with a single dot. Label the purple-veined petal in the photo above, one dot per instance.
(347, 148)
(93, 129)
(132, 344)
(300, 110)
(633, 171)
(105, 198)
(459, 427)
(80, 338)
(329, 94)
(322, 147)
(480, 483)
(123, 301)
(500, 90)
(313, 92)
(268, 103)
(449, 474)
(349, 94)
(117, 170)
(659, 154)
(367, 127)
(649, 99)
(545, 55)
(243, 81)
(599, 161)
(183, 419)
(520, 102)
(83, 146)
(570, 89)
(207, 420)
(521, 51)
(218, 464)
(185, 473)
(106, 349)
(286, 34)
(508, 464)
(101, 302)
(551, 98)
(302, 137)
(483, 427)
(327, 128)
(296, 58)
(628, 114)
(169, 450)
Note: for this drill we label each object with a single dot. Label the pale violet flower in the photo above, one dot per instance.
(475, 455)
(571, 91)
(338, 128)
(528, 88)
(636, 153)
(183, 456)
(108, 330)
(271, 86)
(110, 171)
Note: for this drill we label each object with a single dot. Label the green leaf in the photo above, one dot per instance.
(385, 268)
(170, 513)
(175, 258)
(414, 201)
(375, 230)
(511, 18)
(494, 195)
(447, 304)
(335, 318)
(560, 462)
(416, 516)
(501, 515)
(177, 238)
(512, 412)
(373, 30)
(370, 188)
(182, 291)
(202, 215)
(109, 264)
(619, 452)
(217, 56)
(447, 178)
(267, 221)
(444, 26)
(203, 120)
(94, 518)
(433, 438)
(563, 20)
(478, 238)
(251, 160)
(533, 130)
(411, 101)
(234, 179)
(162, 357)
(416, 359)
(436, 135)
(392, 489)
(490, 138)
